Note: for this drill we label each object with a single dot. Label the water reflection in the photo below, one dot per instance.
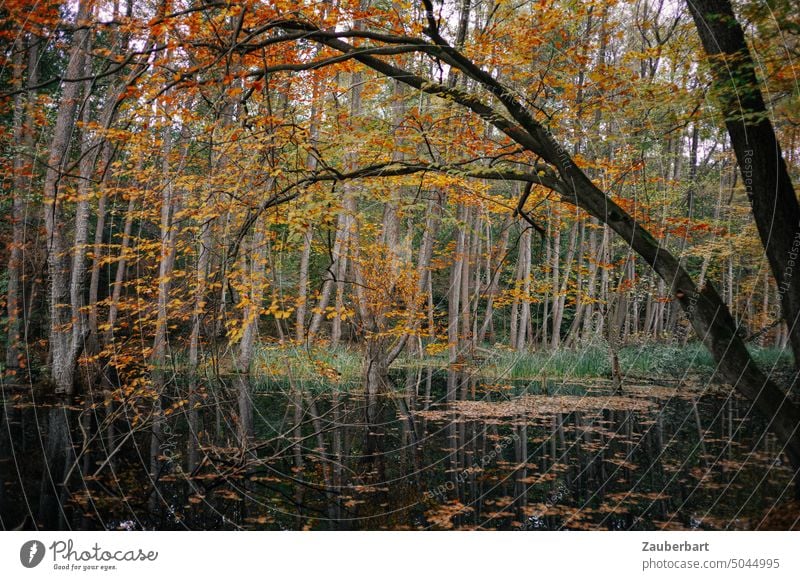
(441, 451)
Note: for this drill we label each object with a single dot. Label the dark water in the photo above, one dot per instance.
(438, 452)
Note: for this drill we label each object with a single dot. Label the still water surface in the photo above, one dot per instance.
(441, 451)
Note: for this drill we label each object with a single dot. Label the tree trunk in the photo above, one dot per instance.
(767, 182)
(572, 334)
(198, 312)
(466, 327)
(555, 272)
(454, 293)
(251, 315)
(80, 330)
(61, 323)
(302, 288)
(23, 137)
(308, 235)
(119, 276)
(166, 258)
(97, 252)
(494, 267)
(548, 258)
(561, 297)
(525, 302)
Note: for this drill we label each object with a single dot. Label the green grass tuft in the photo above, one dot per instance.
(324, 368)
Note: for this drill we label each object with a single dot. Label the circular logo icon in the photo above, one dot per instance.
(31, 553)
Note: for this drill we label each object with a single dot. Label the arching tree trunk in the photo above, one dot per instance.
(706, 311)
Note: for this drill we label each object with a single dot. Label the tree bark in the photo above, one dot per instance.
(525, 302)
(61, 323)
(494, 266)
(23, 137)
(561, 296)
(119, 276)
(454, 294)
(251, 314)
(308, 235)
(80, 330)
(767, 182)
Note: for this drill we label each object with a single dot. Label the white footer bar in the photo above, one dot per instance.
(399, 555)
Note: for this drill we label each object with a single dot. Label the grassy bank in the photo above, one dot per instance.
(645, 361)
(308, 367)
(343, 365)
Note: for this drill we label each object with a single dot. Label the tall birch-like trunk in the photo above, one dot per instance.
(560, 299)
(255, 272)
(525, 303)
(23, 137)
(61, 324)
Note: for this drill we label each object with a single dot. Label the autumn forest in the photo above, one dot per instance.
(399, 264)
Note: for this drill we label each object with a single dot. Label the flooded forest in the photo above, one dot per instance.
(399, 265)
